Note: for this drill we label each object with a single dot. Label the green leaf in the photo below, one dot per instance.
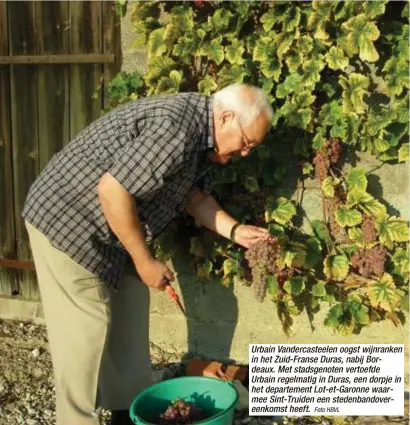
(272, 286)
(271, 68)
(397, 76)
(336, 58)
(295, 286)
(251, 183)
(366, 203)
(404, 153)
(390, 155)
(156, 45)
(204, 270)
(291, 19)
(356, 180)
(264, 50)
(392, 229)
(230, 267)
(294, 60)
(320, 16)
(291, 84)
(373, 8)
(353, 123)
(314, 252)
(319, 139)
(379, 120)
(346, 217)
(169, 84)
(382, 294)
(307, 168)
(305, 44)
(276, 230)
(231, 74)
(328, 187)
(356, 235)
(354, 90)
(268, 20)
(158, 66)
(359, 35)
(336, 267)
(319, 290)
(401, 263)
(207, 86)
(312, 70)
(284, 41)
(182, 17)
(334, 316)
(220, 19)
(280, 210)
(214, 50)
(304, 99)
(381, 145)
(331, 113)
(321, 231)
(266, 84)
(234, 52)
(359, 311)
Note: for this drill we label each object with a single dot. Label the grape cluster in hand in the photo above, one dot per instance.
(369, 229)
(181, 413)
(262, 258)
(369, 261)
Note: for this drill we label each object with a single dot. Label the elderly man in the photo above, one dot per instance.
(91, 215)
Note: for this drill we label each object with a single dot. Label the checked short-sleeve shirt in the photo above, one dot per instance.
(158, 148)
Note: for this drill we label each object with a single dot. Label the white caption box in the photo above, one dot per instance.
(326, 379)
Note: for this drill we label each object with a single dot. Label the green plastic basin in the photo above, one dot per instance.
(218, 399)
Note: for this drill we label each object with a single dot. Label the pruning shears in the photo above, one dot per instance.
(174, 296)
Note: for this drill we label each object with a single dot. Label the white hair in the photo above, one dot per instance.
(246, 101)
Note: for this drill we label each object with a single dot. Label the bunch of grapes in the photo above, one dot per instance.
(334, 150)
(369, 229)
(369, 261)
(327, 156)
(262, 258)
(322, 166)
(181, 413)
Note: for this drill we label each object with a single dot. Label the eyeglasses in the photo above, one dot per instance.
(248, 145)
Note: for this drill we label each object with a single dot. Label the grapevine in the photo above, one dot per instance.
(322, 94)
(262, 258)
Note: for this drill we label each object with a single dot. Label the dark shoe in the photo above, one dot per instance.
(121, 417)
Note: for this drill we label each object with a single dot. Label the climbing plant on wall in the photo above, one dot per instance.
(337, 76)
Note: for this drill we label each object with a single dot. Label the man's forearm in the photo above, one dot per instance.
(207, 212)
(121, 213)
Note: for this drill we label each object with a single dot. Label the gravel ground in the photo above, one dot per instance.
(27, 391)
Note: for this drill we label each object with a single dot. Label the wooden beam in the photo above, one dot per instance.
(56, 59)
(17, 264)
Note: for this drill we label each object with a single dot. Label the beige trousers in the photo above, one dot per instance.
(99, 340)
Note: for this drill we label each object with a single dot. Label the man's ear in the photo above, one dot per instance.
(227, 117)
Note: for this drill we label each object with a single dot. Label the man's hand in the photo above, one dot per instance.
(154, 273)
(247, 235)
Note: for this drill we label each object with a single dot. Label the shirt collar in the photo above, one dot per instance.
(210, 144)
